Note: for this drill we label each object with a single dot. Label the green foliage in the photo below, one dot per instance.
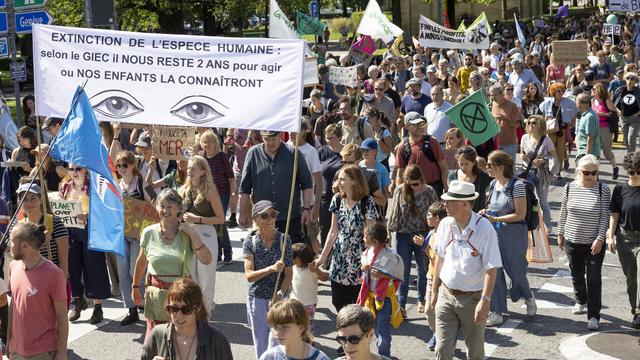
(66, 12)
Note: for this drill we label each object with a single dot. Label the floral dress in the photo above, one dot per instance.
(345, 259)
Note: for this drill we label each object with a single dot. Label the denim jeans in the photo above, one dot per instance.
(224, 242)
(126, 267)
(542, 190)
(510, 149)
(632, 137)
(383, 329)
(406, 248)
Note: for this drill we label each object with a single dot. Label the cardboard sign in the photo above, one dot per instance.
(311, 71)
(66, 210)
(172, 143)
(569, 52)
(138, 214)
(609, 29)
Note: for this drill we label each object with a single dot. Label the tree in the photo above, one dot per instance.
(451, 7)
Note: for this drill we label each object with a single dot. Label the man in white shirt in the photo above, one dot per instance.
(465, 273)
(437, 122)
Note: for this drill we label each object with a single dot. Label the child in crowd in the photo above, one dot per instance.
(437, 212)
(453, 141)
(289, 324)
(382, 271)
(304, 283)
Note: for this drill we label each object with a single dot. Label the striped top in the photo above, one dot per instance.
(584, 215)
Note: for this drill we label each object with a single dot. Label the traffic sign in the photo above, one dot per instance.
(314, 9)
(4, 47)
(25, 20)
(20, 4)
(3, 3)
(4, 26)
(18, 71)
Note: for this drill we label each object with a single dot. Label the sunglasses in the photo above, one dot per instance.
(589, 173)
(122, 166)
(75, 169)
(633, 172)
(531, 123)
(185, 309)
(353, 339)
(265, 215)
(490, 165)
(414, 184)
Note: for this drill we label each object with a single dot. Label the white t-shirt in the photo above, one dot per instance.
(304, 286)
(464, 268)
(437, 122)
(312, 159)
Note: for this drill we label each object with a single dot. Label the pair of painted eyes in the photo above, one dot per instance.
(117, 104)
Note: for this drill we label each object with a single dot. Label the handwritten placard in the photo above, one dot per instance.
(311, 71)
(569, 52)
(172, 142)
(347, 76)
(66, 210)
(138, 214)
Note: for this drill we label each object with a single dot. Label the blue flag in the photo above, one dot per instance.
(563, 11)
(520, 33)
(79, 141)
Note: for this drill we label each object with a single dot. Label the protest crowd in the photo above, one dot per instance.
(391, 173)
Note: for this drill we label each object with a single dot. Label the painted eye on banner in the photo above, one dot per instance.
(197, 109)
(116, 104)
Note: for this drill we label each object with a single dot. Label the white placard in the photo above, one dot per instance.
(624, 5)
(311, 71)
(347, 76)
(178, 80)
(608, 29)
(433, 35)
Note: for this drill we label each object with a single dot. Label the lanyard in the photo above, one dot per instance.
(474, 252)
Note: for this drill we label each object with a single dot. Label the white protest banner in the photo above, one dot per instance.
(376, 24)
(433, 35)
(279, 25)
(311, 71)
(171, 142)
(66, 210)
(624, 5)
(609, 29)
(175, 80)
(347, 76)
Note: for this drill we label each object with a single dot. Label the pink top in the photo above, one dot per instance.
(601, 107)
(555, 73)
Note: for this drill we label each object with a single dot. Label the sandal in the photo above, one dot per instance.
(421, 307)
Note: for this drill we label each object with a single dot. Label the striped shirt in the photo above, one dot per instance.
(584, 214)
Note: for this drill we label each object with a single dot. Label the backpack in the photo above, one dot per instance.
(531, 216)
(426, 149)
(360, 121)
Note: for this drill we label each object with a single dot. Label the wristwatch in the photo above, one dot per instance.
(485, 298)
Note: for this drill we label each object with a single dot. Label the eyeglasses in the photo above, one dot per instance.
(75, 169)
(589, 173)
(353, 339)
(185, 309)
(123, 166)
(508, 89)
(265, 216)
(415, 184)
(633, 172)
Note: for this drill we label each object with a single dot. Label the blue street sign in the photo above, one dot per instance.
(2, 3)
(314, 9)
(4, 47)
(25, 20)
(4, 26)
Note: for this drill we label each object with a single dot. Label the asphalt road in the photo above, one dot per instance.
(554, 333)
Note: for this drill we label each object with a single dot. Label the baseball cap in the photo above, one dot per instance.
(413, 117)
(51, 122)
(589, 75)
(32, 188)
(414, 81)
(369, 144)
(432, 69)
(262, 206)
(144, 140)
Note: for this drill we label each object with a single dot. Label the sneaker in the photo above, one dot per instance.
(532, 308)
(614, 176)
(77, 305)
(131, 317)
(636, 322)
(97, 315)
(579, 309)
(594, 324)
(494, 319)
(565, 165)
(432, 343)
(228, 261)
(231, 223)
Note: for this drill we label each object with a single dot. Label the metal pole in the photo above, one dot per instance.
(115, 18)
(439, 10)
(88, 19)
(11, 20)
(266, 16)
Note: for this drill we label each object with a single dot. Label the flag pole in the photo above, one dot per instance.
(283, 243)
(5, 238)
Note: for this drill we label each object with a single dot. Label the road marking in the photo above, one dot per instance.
(612, 265)
(553, 288)
(112, 309)
(507, 327)
(576, 348)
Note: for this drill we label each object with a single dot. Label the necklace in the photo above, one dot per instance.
(186, 357)
(34, 266)
(122, 183)
(163, 235)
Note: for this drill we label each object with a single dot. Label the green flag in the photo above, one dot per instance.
(308, 25)
(473, 118)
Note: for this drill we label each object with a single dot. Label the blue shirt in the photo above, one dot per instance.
(410, 104)
(588, 124)
(382, 174)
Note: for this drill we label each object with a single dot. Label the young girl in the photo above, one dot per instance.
(304, 283)
(382, 271)
(437, 212)
(453, 141)
(289, 324)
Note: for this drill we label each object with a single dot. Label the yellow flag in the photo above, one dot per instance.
(398, 48)
(481, 18)
(462, 26)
